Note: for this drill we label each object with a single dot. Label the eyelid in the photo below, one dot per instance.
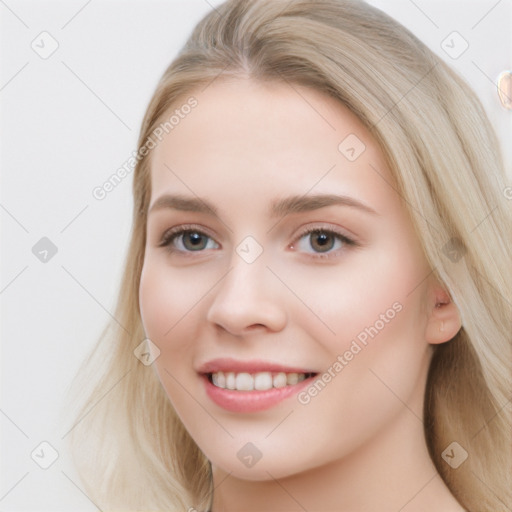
(348, 240)
(168, 234)
(330, 228)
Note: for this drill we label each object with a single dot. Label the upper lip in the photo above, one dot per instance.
(227, 364)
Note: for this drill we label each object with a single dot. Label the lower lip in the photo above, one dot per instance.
(251, 401)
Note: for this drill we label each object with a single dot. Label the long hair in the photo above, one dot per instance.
(130, 447)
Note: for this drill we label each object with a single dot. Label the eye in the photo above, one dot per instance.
(187, 239)
(321, 242)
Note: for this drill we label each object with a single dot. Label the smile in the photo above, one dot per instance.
(261, 381)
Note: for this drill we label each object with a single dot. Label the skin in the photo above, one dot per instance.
(359, 444)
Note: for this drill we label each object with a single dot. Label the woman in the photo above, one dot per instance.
(315, 309)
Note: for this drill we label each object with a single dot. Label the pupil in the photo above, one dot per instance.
(194, 241)
(322, 242)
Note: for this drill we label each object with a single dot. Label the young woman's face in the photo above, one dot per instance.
(278, 245)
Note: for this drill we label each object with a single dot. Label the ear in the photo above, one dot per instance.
(444, 320)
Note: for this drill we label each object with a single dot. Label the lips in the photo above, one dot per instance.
(253, 366)
(251, 386)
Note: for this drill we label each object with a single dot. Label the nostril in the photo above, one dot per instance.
(255, 327)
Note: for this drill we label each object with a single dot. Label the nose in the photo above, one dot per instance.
(248, 299)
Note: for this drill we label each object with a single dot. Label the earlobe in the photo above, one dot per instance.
(444, 320)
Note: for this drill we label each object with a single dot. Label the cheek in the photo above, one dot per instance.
(374, 307)
(360, 297)
(157, 302)
(169, 302)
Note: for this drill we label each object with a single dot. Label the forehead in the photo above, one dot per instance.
(265, 138)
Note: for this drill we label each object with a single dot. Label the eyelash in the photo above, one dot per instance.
(170, 235)
(345, 240)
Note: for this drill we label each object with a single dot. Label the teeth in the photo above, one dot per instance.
(263, 381)
(292, 379)
(221, 379)
(279, 380)
(230, 381)
(259, 381)
(244, 382)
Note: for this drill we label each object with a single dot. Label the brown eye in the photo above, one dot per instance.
(322, 241)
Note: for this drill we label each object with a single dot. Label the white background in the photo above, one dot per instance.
(67, 123)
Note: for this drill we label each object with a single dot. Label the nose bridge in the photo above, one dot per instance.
(245, 296)
(245, 281)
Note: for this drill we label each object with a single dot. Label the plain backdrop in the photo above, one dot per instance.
(68, 121)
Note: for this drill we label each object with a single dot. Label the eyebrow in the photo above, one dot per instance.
(311, 202)
(279, 208)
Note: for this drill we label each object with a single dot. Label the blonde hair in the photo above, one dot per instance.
(132, 451)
